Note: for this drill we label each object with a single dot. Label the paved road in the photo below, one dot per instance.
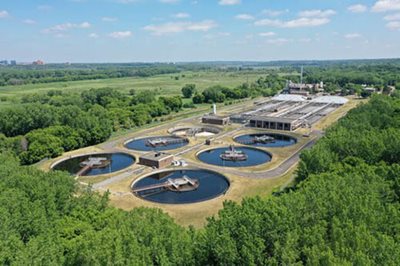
(126, 174)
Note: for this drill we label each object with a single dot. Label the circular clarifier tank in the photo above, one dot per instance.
(195, 131)
(95, 164)
(234, 156)
(160, 143)
(266, 140)
(181, 186)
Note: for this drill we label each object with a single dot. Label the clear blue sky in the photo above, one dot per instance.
(202, 30)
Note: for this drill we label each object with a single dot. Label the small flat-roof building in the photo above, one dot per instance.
(215, 120)
(156, 159)
(277, 123)
(299, 92)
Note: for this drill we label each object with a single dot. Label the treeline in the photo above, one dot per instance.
(344, 213)
(47, 74)
(45, 126)
(351, 77)
(264, 86)
(370, 133)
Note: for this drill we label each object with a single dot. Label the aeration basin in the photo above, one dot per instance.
(95, 164)
(266, 140)
(181, 186)
(160, 143)
(234, 156)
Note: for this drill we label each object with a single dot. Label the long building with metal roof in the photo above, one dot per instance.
(289, 112)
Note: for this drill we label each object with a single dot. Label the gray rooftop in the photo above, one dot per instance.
(273, 119)
(215, 117)
(156, 156)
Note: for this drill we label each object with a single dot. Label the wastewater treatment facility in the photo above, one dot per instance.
(205, 158)
(199, 133)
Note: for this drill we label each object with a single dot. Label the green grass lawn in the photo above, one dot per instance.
(164, 84)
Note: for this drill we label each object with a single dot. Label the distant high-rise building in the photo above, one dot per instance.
(38, 63)
(13, 62)
(3, 62)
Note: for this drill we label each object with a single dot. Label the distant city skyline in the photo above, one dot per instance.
(204, 30)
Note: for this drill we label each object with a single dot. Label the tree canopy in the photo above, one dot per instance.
(48, 124)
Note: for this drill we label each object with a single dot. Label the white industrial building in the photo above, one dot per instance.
(288, 112)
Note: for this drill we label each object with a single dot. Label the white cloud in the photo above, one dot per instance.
(306, 18)
(393, 25)
(120, 34)
(169, 1)
(317, 13)
(3, 14)
(109, 19)
(392, 17)
(177, 27)
(65, 27)
(93, 35)
(274, 13)
(295, 23)
(181, 15)
(269, 22)
(358, 8)
(29, 21)
(386, 5)
(278, 41)
(84, 25)
(229, 2)
(353, 36)
(267, 34)
(244, 17)
(215, 36)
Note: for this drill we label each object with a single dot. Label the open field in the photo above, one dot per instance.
(163, 84)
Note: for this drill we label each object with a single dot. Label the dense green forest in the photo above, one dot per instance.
(44, 125)
(268, 86)
(344, 210)
(60, 73)
(349, 79)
